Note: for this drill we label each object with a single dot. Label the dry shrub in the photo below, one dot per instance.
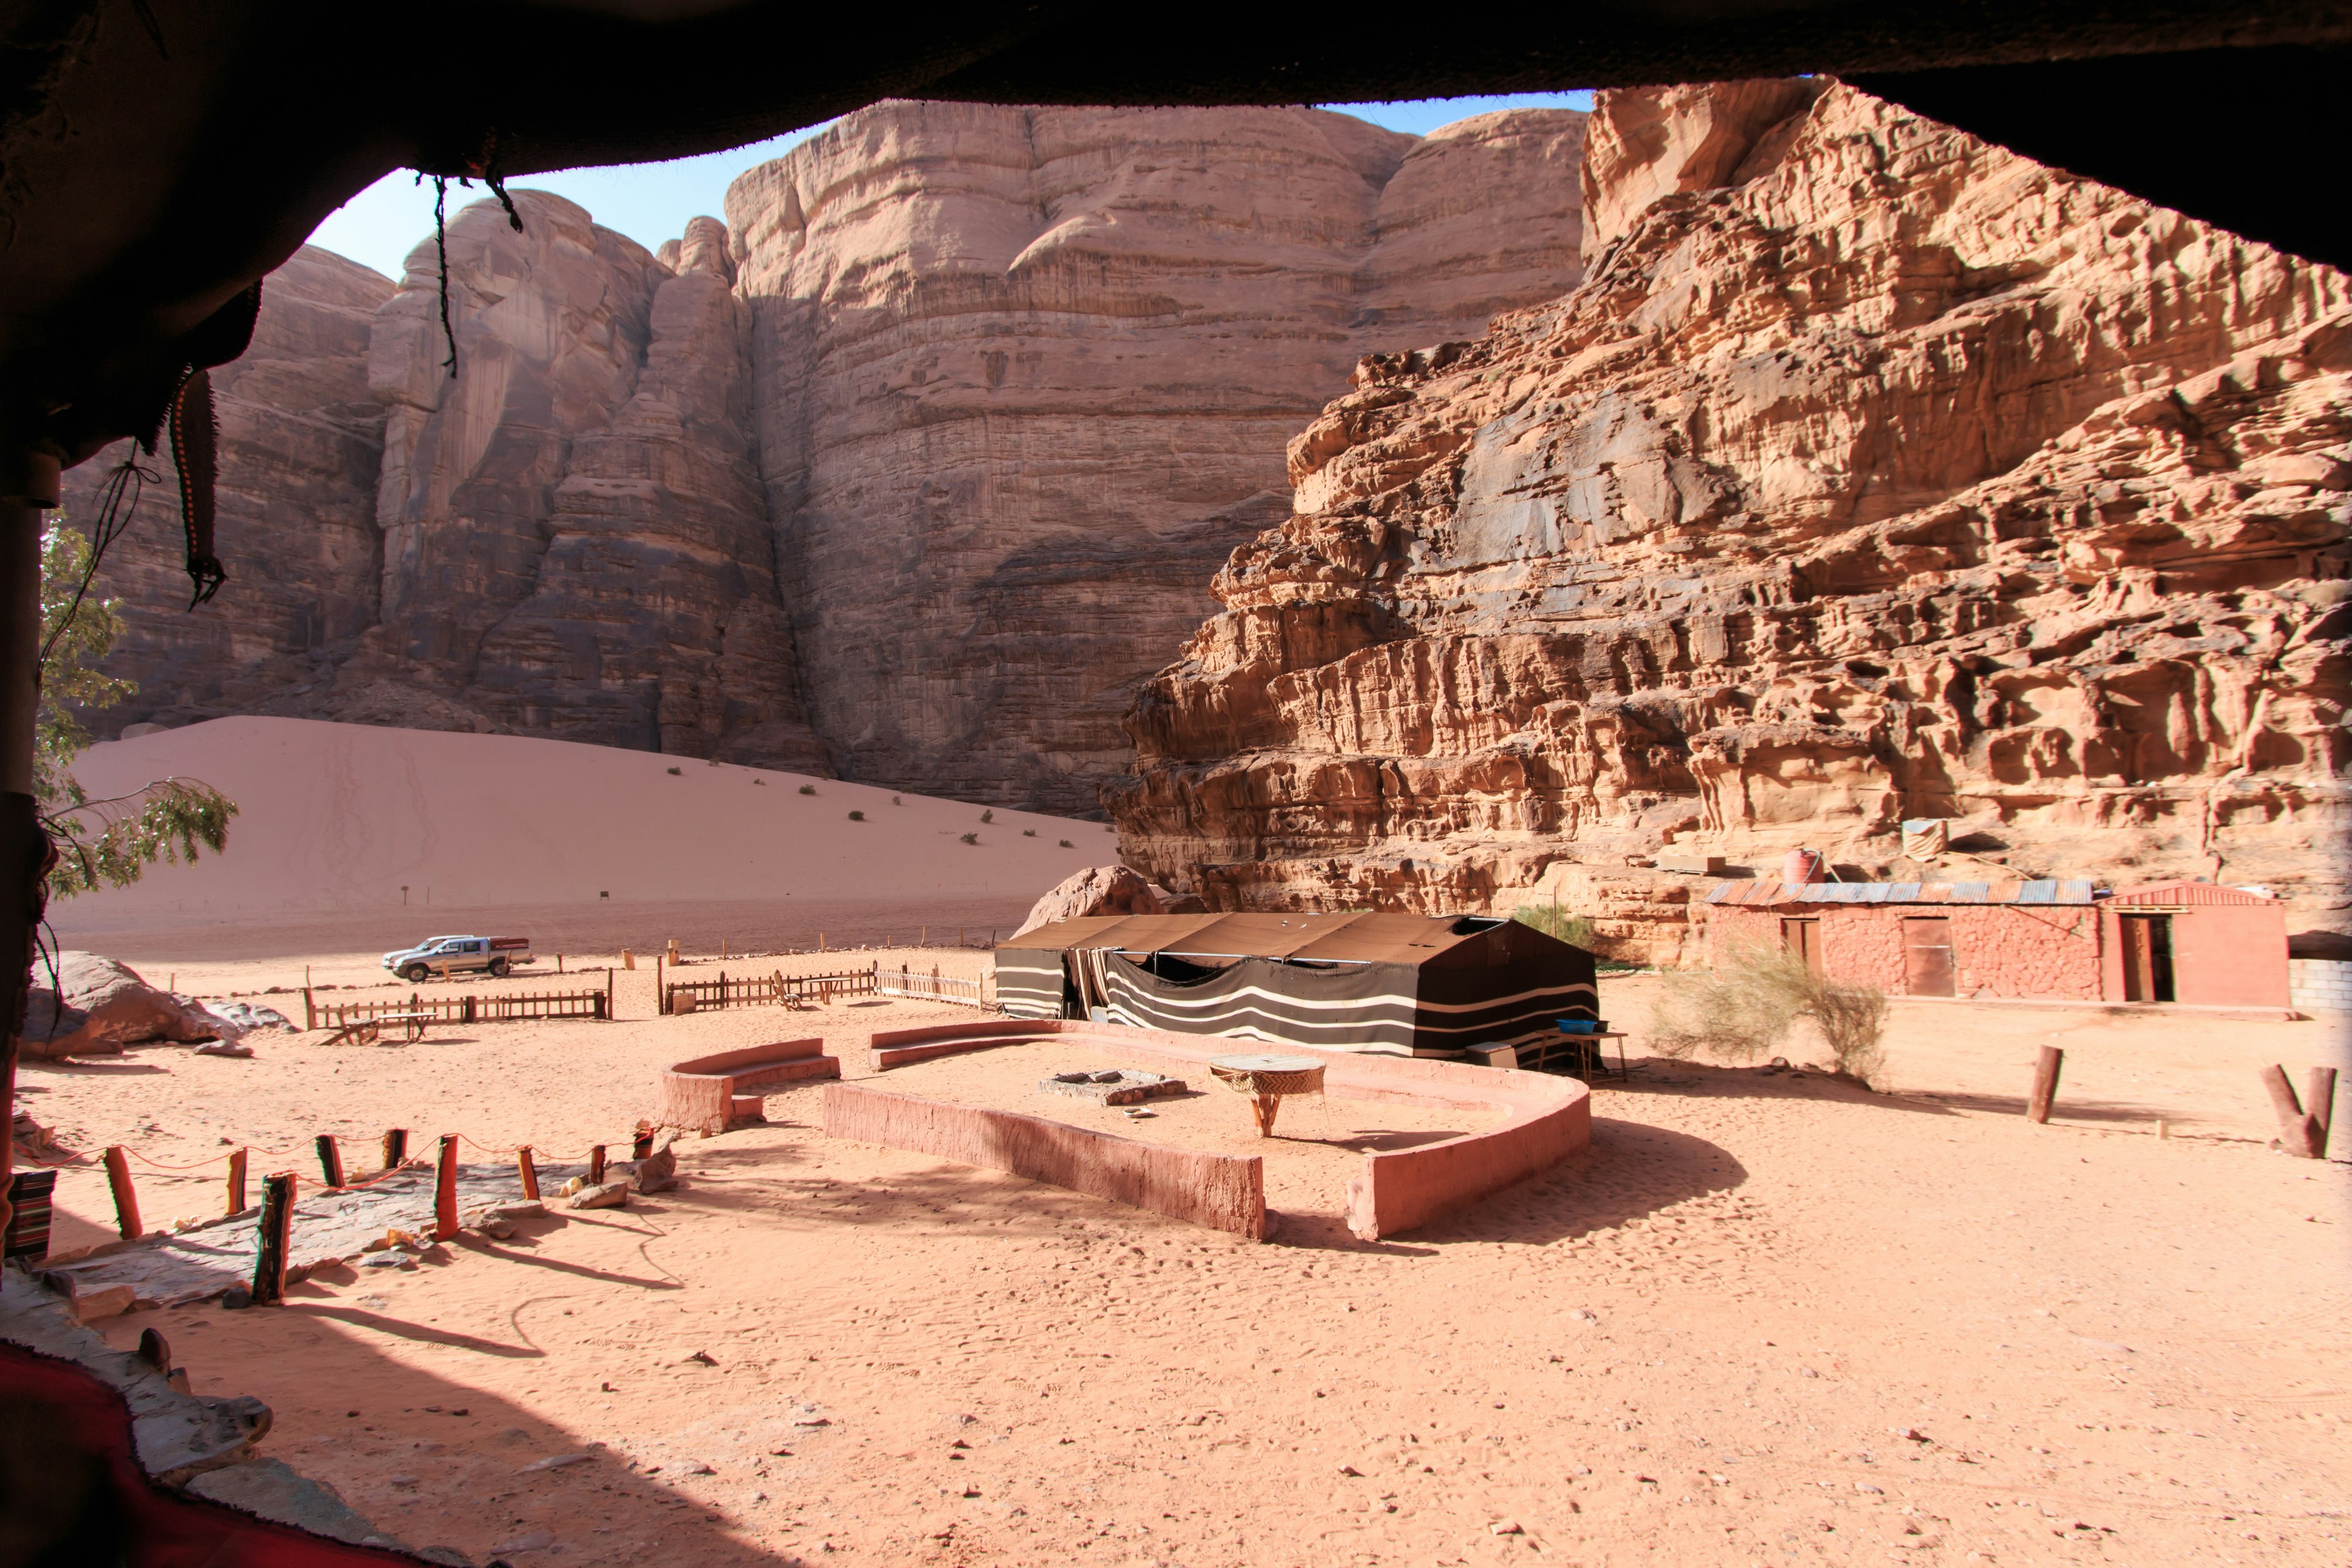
(1743, 1008)
(1574, 930)
(1736, 1012)
(1853, 1019)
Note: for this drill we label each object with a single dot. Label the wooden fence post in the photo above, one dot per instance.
(526, 1169)
(126, 1197)
(310, 1012)
(272, 1236)
(236, 1183)
(608, 992)
(2319, 1105)
(596, 1165)
(395, 1147)
(2045, 1084)
(2301, 1132)
(331, 1160)
(445, 1190)
(661, 997)
(641, 1143)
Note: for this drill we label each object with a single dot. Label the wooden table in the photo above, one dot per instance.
(1266, 1079)
(1572, 1047)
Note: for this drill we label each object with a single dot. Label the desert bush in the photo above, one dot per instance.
(856, 816)
(1554, 921)
(1744, 1006)
(971, 838)
(673, 770)
(1853, 1019)
(1028, 833)
(988, 816)
(1067, 845)
(808, 789)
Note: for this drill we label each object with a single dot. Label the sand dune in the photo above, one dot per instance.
(343, 820)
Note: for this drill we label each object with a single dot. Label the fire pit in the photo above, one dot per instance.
(1123, 1086)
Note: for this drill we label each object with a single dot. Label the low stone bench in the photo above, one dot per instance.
(711, 1094)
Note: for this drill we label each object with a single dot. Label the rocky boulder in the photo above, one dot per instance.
(100, 1005)
(1102, 890)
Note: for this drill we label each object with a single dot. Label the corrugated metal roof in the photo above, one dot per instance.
(1768, 892)
(2188, 892)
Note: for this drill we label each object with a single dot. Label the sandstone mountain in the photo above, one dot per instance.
(1872, 473)
(916, 475)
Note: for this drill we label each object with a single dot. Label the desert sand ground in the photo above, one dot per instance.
(1768, 1319)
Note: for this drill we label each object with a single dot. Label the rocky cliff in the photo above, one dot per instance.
(917, 475)
(1872, 473)
(1023, 377)
(300, 442)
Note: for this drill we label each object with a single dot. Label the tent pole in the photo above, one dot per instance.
(29, 482)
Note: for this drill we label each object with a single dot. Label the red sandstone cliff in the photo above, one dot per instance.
(1872, 473)
(922, 471)
(1024, 377)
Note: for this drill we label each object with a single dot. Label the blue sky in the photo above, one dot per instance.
(651, 202)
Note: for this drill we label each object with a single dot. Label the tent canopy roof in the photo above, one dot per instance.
(1344, 937)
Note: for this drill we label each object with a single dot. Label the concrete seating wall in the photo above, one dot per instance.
(1543, 1118)
(710, 1094)
(1222, 1192)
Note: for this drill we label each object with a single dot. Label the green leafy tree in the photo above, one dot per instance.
(106, 843)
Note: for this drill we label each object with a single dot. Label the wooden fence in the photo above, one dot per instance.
(505, 1008)
(777, 990)
(932, 987)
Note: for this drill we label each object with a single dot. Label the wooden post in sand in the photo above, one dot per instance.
(395, 1147)
(2319, 1105)
(2045, 1084)
(2301, 1134)
(596, 1165)
(527, 1171)
(445, 1190)
(331, 1160)
(310, 1012)
(126, 1198)
(236, 1183)
(608, 991)
(628, 959)
(272, 1236)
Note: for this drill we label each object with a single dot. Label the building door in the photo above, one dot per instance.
(1927, 967)
(2148, 958)
(1801, 937)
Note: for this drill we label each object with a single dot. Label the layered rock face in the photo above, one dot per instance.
(1872, 473)
(574, 540)
(1024, 375)
(301, 443)
(919, 475)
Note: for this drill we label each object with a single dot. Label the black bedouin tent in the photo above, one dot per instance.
(1424, 986)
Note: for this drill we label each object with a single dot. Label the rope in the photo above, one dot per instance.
(441, 249)
(161, 1166)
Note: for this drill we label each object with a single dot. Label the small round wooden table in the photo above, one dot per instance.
(1267, 1078)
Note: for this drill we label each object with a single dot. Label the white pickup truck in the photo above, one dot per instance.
(447, 955)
